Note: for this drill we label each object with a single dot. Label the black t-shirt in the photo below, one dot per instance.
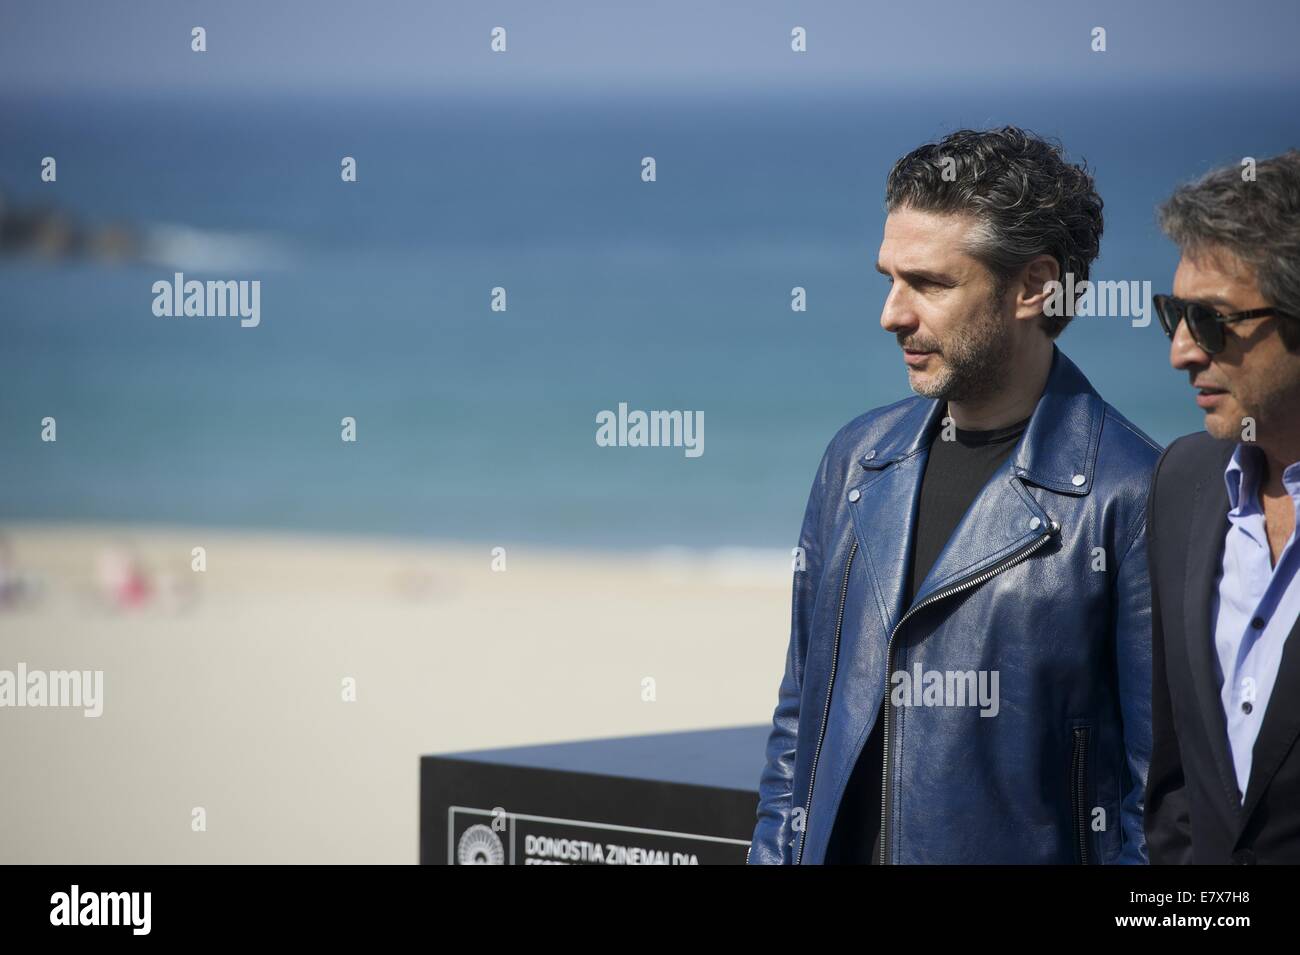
(955, 472)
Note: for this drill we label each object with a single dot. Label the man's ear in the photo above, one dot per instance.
(1032, 288)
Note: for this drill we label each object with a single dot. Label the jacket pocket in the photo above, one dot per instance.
(1079, 791)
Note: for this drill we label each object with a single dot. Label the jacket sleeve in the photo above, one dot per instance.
(1168, 825)
(1133, 656)
(778, 824)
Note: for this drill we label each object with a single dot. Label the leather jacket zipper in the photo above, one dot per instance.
(889, 665)
(1079, 790)
(830, 686)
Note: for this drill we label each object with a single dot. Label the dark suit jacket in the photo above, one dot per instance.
(1193, 813)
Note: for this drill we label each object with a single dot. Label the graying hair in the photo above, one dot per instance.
(1256, 222)
(1027, 200)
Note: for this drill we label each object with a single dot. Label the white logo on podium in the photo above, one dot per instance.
(479, 845)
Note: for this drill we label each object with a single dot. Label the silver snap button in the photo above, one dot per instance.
(1055, 526)
(854, 495)
(1078, 480)
(871, 454)
(1033, 523)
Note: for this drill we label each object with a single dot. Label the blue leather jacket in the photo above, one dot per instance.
(1044, 581)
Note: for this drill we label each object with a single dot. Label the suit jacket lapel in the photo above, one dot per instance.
(1281, 724)
(1206, 527)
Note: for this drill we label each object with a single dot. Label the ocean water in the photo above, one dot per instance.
(478, 425)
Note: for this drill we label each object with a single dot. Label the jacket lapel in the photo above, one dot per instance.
(1057, 451)
(1206, 526)
(1002, 520)
(884, 515)
(1281, 724)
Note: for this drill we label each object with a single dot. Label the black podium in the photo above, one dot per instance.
(671, 799)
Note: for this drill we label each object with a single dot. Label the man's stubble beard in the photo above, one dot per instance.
(976, 360)
(1269, 405)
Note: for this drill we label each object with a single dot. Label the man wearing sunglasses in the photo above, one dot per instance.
(1224, 779)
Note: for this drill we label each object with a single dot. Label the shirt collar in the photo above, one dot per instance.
(1291, 481)
(1241, 477)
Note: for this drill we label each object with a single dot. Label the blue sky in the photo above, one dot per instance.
(333, 46)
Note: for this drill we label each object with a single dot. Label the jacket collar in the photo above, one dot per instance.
(1058, 450)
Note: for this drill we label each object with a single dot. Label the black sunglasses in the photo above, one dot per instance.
(1205, 324)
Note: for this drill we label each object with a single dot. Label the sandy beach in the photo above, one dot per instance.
(224, 689)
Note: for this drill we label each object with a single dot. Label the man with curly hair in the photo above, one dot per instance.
(969, 671)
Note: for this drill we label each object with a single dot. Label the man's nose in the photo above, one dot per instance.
(1184, 353)
(897, 316)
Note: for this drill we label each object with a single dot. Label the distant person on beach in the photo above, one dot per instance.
(969, 670)
(15, 587)
(123, 581)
